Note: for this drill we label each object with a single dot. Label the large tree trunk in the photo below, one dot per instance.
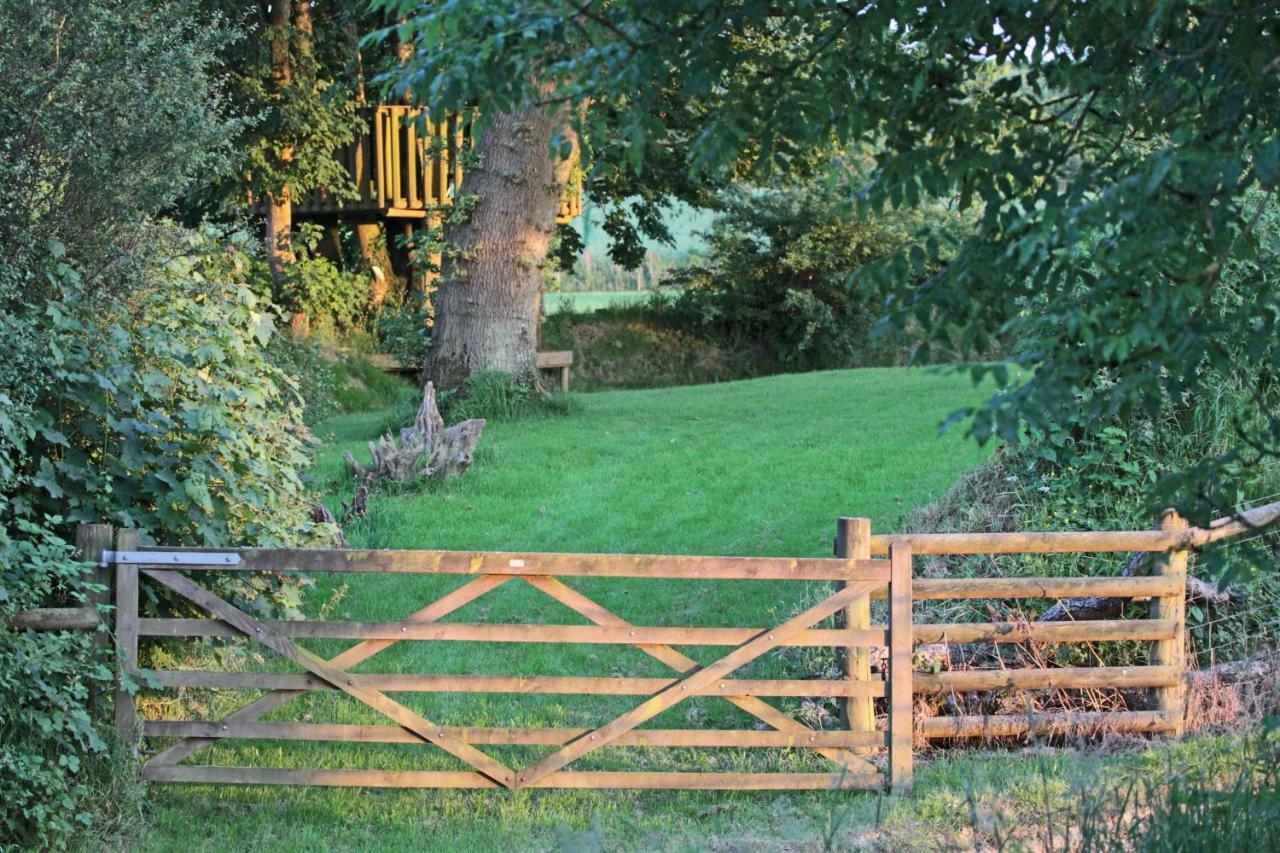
(487, 303)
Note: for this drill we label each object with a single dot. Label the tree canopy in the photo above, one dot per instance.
(1118, 157)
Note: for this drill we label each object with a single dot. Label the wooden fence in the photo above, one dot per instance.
(859, 577)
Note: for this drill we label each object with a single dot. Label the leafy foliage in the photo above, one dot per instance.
(171, 419)
(296, 123)
(775, 281)
(404, 330)
(135, 385)
(47, 679)
(1108, 150)
(498, 396)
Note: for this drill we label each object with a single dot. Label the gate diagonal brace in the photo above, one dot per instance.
(762, 643)
(336, 676)
(358, 653)
(681, 663)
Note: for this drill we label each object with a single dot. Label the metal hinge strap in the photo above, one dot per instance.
(171, 558)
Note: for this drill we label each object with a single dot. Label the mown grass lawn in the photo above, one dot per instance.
(754, 468)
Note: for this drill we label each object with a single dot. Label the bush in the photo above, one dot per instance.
(776, 281)
(47, 680)
(632, 347)
(404, 331)
(168, 416)
(84, 88)
(314, 373)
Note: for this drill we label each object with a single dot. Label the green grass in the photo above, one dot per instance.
(754, 468)
(585, 301)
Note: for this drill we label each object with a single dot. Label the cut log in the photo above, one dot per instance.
(425, 448)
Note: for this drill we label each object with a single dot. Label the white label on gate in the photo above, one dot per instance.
(517, 564)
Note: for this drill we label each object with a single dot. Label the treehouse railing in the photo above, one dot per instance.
(403, 165)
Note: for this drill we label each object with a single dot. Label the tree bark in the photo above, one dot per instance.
(487, 302)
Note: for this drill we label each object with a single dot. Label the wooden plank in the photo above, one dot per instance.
(555, 358)
(523, 564)
(901, 729)
(340, 679)
(758, 708)
(1082, 541)
(1064, 678)
(1019, 725)
(503, 633)
(1029, 542)
(944, 588)
(691, 738)
(412, 167)
(853, 542)
(556, 684)
(56, 619)
(380, 155)
(691, 683)
(463, 779)
(126, 709)
(438, 609)
(1103, 630)
(1171, 608)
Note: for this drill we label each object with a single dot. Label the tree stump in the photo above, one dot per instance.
(424, 449)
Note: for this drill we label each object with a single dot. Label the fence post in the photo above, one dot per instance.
(126, 639)
(901, 726)
(91, 541)
(853, 542)
(1170, 701)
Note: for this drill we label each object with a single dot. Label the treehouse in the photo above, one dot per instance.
(403, 170)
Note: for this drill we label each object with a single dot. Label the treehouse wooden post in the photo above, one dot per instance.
(126, 711)
(853, 542)
(1169, 701)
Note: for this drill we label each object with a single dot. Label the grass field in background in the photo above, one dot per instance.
(584, 301)
(761, 467)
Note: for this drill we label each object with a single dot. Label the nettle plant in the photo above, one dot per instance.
(169, 417)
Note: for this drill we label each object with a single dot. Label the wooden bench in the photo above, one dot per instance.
(561, 360)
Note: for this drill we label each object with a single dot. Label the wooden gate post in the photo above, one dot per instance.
(901, 726)
(91, 541)
(126, 715)
(853, 542)
(1171, 701)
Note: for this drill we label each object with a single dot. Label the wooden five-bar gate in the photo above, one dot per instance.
(848, 583)
(856, 578)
